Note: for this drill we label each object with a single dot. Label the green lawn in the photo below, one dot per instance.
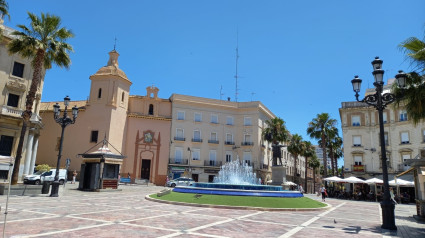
(267, 202)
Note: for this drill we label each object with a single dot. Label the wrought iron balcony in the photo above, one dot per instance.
(229, 142)
(213, 141)
(402, 167)
(178, 161)
(247, 143)
(196, 140)
(358, 168)
(212, 163)
(176, 138)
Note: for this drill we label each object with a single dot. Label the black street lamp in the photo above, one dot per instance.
(380, 101)
(63, 121)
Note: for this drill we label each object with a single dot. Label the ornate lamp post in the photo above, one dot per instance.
(380, 101)
(63, 121)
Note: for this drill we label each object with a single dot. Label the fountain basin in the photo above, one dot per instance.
(238, 186)
(233, 190)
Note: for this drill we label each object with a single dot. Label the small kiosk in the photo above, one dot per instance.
(418, 168)
(100, 169)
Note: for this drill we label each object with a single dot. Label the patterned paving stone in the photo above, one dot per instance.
(112, 231)
(127, 214)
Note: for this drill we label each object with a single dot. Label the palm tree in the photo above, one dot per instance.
(275, 133)
(314, 163)
(338, 153)
(413, 97)
(415, 52)
(4, 9)
(333, 143)
(296, 147)
(309, 152)
(319, 128)
(45, 43)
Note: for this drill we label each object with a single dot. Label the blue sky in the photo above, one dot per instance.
(297, 57)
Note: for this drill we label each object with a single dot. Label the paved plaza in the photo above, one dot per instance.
(126, 213)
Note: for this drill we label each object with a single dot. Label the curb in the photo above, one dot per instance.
(147, 197)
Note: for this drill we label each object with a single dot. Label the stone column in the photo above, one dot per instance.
(28, 152)
(34, 155)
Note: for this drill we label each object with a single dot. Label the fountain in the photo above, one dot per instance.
(236, 178)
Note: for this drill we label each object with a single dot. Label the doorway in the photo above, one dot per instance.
(146, 169)
(195, 177)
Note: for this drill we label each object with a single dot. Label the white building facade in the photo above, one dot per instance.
(362, 148)
(15, 81)
(207, 133)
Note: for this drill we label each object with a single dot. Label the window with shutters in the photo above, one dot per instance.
(13, 100)
(355, 120)
(357, 141)
(18, 70)
(6, 143)
(404, 137)
(358, 160)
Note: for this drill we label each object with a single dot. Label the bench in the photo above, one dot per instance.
(125, 180)
(163, 192)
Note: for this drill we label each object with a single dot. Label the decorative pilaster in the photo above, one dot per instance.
(34, 155)
(28, 153)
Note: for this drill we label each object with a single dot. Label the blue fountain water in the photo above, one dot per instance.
(236, 172)
(236, 178)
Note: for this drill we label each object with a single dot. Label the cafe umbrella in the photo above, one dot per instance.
(375, 181)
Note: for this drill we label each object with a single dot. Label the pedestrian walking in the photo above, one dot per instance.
(392, 196)
(74, 176)
(323, 191)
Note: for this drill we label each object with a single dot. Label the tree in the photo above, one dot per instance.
(412, 98)
(415, 52)
(44, 41)
(309, 151)
(275, 133)
(4, 9)
(319, 128)
(333, 144)
(338, 153)
(296, 147)
(314, 163)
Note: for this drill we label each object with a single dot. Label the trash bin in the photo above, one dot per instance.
(46, 187)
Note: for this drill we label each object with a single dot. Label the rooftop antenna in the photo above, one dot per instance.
(237, 58)
(115, 43)
(221, 91)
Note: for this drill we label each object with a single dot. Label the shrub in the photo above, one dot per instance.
(42, 167)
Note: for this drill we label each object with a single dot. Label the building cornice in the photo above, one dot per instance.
(136, 115)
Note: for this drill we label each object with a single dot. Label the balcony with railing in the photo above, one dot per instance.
(247, 143)
(264, 166)
(212, 163)
(178, 161)
(197, 140)
(402, 167)
(177, 138)
(358, 168)
(229, 143)
(213, 141)
(11, 111)
(354, 104)
(249, 163)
